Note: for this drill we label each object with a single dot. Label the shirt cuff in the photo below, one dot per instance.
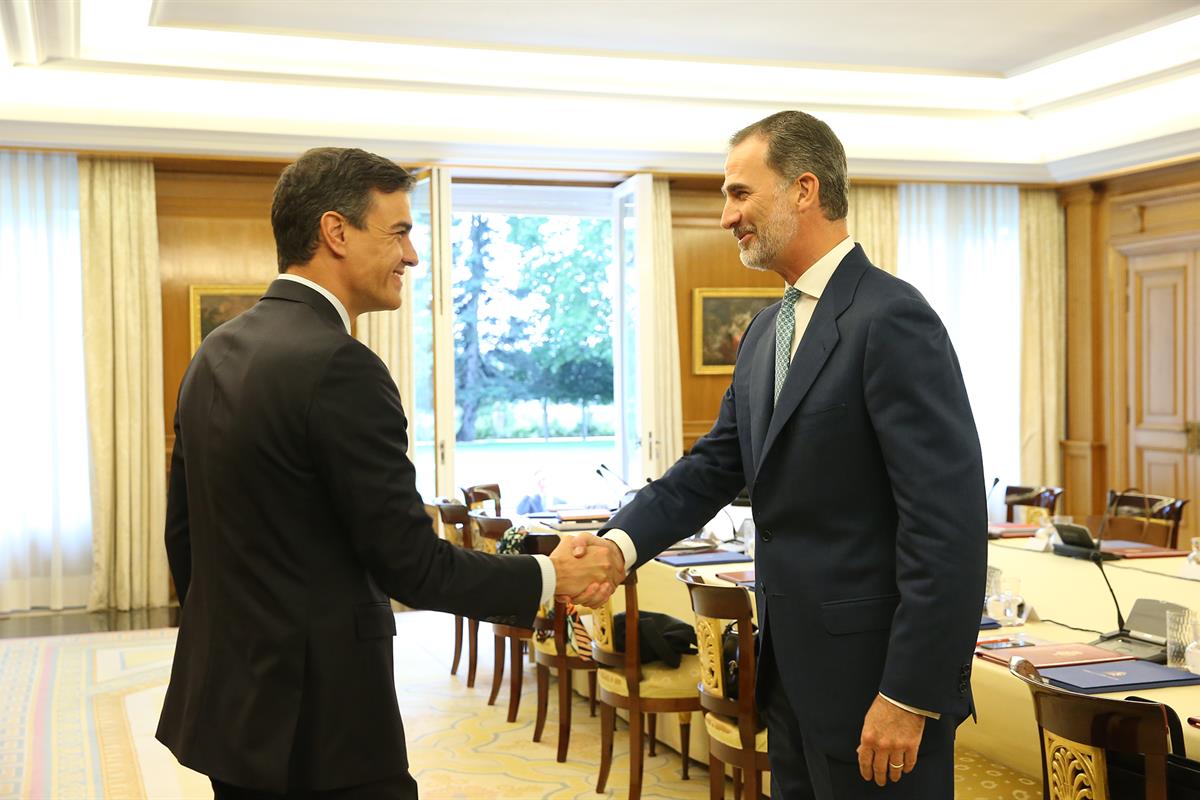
(622, 540)
(921, 711)
(549, 579)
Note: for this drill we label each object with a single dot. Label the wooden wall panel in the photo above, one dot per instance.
(212, 228)
(1109, 223)
(706, 256)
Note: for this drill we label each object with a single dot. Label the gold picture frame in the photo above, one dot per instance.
(212, 304)
(719, 319)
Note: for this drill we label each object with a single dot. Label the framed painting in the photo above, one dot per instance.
(719, 318)
(212, 305)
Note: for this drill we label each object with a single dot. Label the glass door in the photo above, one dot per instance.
(633, 357)
(429, 431)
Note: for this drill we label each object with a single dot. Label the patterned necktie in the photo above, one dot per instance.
(785, 327)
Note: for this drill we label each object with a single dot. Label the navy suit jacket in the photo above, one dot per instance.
(867, 487)
(292, 516)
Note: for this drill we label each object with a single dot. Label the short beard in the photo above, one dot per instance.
(772, 236)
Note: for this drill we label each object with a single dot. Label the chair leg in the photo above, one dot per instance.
(653, 733)
(472, 641)
(608, 721)
(592, 691)
(637, 723)
(497, 670)
(685, 742)
(543, 697)
(752, 786)
(516, 649)
(564, 712)
(458, 636)
(737, 783)
(716, 778)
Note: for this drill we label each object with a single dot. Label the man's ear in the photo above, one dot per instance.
(333, 232)
(808, 192)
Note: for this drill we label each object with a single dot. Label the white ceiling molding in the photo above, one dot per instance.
(96, 74)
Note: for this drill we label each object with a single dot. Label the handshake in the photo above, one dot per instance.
(589, 569)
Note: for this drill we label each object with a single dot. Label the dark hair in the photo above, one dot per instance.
(327, 179)
(798, 143)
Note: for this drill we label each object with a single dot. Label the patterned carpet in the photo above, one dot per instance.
(77, 719)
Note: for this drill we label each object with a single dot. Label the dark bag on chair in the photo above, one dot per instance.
(660, 636)
(729, 658)
(1127, 771)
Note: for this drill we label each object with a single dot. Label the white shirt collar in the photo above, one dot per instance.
(328, 295)
(816, 277)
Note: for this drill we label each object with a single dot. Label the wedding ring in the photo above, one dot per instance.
(896, 766)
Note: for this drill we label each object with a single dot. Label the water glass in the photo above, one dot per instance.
(1181, 633)
(746, 534)
(1007, 606)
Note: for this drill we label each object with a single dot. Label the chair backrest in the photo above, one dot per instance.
(487, 530)
(1077, 730)
(716, 605)
(1045, 497)
(482, 495)
(604, 650)
(1166, 511)
(450, 519)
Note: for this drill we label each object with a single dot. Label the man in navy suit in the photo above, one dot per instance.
(848, 422)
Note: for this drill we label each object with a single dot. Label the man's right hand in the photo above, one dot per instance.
(588, 568)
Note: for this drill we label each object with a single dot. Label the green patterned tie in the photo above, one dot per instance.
(785, 326)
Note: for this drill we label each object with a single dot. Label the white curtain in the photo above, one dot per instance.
(960, 245)
(661, 340)
(45, 506)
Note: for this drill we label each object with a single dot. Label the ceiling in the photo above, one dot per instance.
(985, 90)
(995, 37)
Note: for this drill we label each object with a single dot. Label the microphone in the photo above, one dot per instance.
(604, 471)
(1098, 560)
(988, 497)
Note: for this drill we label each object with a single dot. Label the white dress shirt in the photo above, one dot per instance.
(549, 574)
(811, 285)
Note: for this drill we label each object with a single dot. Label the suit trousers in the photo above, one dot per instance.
(396, 787)
(802, 771)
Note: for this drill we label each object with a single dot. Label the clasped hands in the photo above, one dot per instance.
(589, 569)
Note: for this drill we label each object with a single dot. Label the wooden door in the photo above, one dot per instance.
(1164, 378)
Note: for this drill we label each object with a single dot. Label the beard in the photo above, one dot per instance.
(770, 238)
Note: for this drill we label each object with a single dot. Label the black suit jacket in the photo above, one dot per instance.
(292, 516)
(867, 487)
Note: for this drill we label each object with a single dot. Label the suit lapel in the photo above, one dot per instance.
(762, 384)
(820, 338)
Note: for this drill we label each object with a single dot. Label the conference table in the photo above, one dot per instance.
(1062, 590)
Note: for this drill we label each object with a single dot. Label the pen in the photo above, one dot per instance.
(994, 641)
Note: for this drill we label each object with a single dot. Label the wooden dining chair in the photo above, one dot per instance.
(1160, 517)
(624, 682)
(1077, 732)
(488, 531)
(556, 647)
(736, 735)
(1044, 497)
(483, 495)
(451, 521)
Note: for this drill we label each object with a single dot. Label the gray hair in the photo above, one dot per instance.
(798, 143)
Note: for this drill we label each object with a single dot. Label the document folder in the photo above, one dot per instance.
(1118, 676)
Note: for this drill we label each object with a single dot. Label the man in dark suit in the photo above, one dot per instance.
(293, 514)
(848, 421)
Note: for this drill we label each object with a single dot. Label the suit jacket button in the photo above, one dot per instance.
(764, 535)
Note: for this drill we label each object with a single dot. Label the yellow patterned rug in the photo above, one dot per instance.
(78, 713)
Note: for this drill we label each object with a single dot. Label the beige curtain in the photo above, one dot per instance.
(1043, 336)
(662, 344)
(874, 222)
(389, 334)
(122, 307)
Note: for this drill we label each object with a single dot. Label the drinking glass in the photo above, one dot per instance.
(1181, 632)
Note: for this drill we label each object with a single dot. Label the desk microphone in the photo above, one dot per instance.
(1097, 558)
(604, 471)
